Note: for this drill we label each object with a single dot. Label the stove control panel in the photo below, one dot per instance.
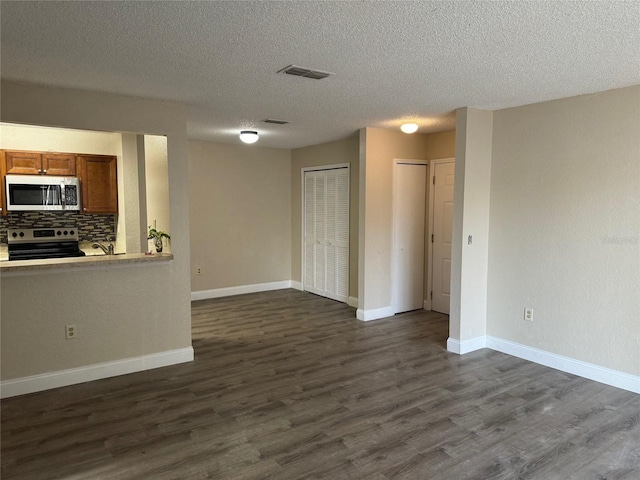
(41, 235)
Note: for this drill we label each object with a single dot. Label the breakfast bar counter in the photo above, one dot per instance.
(9, 267)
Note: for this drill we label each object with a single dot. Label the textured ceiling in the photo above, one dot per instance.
(392, 60)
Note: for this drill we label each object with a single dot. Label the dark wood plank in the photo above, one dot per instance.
(288, 385)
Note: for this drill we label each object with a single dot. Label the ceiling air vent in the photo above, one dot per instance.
(305, 72)
(277, 122)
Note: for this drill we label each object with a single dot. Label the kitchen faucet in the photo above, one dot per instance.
(108, 250)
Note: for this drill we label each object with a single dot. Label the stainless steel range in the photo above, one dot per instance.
(41, 243)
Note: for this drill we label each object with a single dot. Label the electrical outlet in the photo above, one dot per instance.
(528, 314)
(71, 331)
(198, 271)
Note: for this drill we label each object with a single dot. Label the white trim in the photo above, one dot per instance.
(374, 314)
(296, 285)
(566, 364)
(352, 302)
(466, 346)
(427, 305)
(97, 371)
(432, 173)
(240, 290)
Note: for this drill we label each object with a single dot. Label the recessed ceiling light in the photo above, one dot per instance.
(409, 127)
(249, 136)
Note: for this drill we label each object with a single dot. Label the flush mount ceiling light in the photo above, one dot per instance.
(409, 127)
(249, 136)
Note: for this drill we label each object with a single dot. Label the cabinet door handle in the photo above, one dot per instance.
(44, 171)
(39, 170)
(84, 209)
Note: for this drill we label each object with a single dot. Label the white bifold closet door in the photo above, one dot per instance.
(326, 233)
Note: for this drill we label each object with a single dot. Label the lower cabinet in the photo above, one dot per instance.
(98, 182)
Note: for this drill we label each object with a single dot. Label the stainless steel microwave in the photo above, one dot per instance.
(44, 193)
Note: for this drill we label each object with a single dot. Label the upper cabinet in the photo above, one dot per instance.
(3, 200)
(97, 174)
(63, 164)
(98, 180)
(36, 163)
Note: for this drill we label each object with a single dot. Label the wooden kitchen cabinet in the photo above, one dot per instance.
(22, 163)
(3, 188)
(39, 163)
(98, 182)
(63, 164)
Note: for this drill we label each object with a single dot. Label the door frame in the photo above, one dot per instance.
(431, 184)
(318, 168)
(394, 201)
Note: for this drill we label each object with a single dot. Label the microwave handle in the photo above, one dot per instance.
(63, 196)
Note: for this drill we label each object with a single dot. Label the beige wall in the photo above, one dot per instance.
(157, 184)
(342, 151)
(381, 147)
(121, 312)
(28, 137)
(469, 261)
(128, 226)
(565, 227)
(441, 145)
(240, 208)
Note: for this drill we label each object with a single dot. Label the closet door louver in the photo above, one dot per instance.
(326, 233)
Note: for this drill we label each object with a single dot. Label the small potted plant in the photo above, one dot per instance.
(157, 237)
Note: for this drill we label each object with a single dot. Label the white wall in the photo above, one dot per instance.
(121, 312)
(565, 228)
(240, 208)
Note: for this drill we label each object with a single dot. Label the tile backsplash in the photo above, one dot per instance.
(91, 227)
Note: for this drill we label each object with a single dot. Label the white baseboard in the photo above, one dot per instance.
(297, 285)
(374, 314)
(240, 290)
(97, 371)
(426, 305)
(466, 346)
(597, 373)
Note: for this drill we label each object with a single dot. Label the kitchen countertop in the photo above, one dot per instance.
(80, 262)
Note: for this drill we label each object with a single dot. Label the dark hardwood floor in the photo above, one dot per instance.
(288, 385)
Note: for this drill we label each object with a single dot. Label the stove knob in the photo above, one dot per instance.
(58, 232)
(22, 234)
(66, 233)
(14, 234)
(71, 232)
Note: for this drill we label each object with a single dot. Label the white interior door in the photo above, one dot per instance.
(442, 215)
(409, 209)
(326, 233)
